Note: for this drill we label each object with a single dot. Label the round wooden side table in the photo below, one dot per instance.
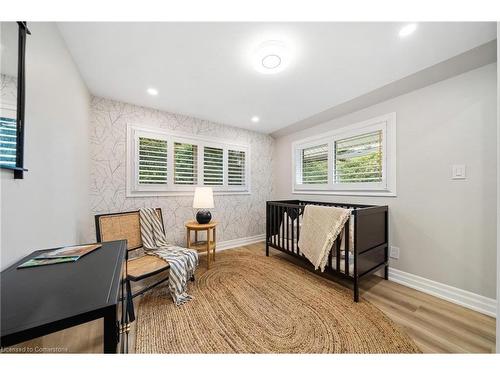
(209, 244)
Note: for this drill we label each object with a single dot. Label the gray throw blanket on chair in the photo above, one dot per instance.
(182, 261)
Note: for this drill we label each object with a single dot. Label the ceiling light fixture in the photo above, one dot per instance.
(255, 119)
(152, 91)
(407, 30)
(271, 57)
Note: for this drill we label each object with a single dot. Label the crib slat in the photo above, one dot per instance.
(346, 246)
(287, 236)
(337, 251)
(268, 228)
(277, 223)
(330, 256)
(298, 230)
(282, 211)
(276, 226)
(271, 218)
(271, 222)
(292, 239)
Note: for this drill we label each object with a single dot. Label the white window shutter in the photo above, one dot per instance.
(236, 168)
(185, 164)
(314, 166)
(358, 159)
(152, 161)
(213, 166)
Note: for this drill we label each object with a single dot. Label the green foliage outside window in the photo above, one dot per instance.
(185, 163)
(367, 168)
(152, 161)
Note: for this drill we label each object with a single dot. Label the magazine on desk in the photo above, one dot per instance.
(61, 255)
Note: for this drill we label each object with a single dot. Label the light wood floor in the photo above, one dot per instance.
(436, 326)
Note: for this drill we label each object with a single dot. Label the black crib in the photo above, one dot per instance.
(353, 256)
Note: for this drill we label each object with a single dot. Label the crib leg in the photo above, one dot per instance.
(386, 272)
(356, 290)
(267, 249)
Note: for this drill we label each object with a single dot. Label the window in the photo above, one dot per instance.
(152, 161)
(359, 159)
(236, 168)
(167, 163)
(213, 166)
(315, 164)
(185, 164)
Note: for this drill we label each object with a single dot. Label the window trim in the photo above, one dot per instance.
(388, 188)
(169, 189)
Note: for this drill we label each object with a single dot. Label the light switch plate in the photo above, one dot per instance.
(458, 172)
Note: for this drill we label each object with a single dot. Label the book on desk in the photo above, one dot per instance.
(60, 255)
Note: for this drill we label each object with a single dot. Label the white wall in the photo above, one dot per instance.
(445, 229)
(49, 207)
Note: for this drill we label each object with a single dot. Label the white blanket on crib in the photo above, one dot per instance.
(320, 228)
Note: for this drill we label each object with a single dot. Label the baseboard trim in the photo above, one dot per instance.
(476, 302)
(229, 244)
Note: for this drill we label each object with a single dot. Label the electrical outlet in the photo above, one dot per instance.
(394, 253)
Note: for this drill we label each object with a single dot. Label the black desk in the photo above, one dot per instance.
(41, 300)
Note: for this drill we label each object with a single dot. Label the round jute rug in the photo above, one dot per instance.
(249, 303)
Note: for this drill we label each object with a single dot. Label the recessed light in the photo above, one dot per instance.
(152, 91)
(271, 57)
(407, 30)
(255, 119)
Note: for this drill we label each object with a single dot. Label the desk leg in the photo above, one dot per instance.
(110, 331)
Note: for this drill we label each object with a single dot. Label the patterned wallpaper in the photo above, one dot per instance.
(8, 90)
(238, 215)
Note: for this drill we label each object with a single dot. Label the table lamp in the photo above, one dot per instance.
(203, 199)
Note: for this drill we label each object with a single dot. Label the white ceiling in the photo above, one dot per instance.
(204, 69)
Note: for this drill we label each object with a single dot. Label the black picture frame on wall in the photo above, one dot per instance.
(19, 169)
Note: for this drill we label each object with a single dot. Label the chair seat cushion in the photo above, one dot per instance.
(145, 266)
